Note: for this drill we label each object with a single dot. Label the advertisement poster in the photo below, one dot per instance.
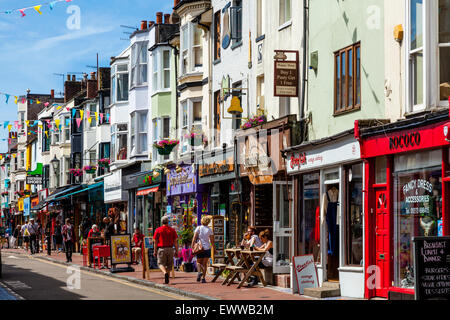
(305, 272)
(121, 249)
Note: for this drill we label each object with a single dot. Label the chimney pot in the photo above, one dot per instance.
(68, 77)
(176, 2)
(143, 25)
(52, 93)
(167, 18)
(159, 16)
(151, 24)
(92, 75)
(74, 78)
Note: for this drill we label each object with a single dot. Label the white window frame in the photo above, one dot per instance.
(187, 51)
(156, 65)
(186, 128)
(431, 76)
(115, 133)
(115, 82)
(66, 128)
(138, 131)
(137, 64)
(165, 70)
(283, 21)
(157, 135)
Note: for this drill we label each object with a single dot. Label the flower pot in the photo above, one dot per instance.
(91, 171)
(166, 150)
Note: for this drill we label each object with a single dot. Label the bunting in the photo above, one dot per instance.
(36, 8)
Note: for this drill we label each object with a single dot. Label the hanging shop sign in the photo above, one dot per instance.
(431, 136)
(113, 188)
(184, 182)
(34, 202)
(326, 155)
(26, 207)
(286, 74)
(432, 268)
(36, 180)
(217, 167)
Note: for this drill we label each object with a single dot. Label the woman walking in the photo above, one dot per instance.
(68, 233)
(206, 236)
(57, 235)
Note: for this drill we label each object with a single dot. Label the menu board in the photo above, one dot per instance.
(432, 268)
(218, 227)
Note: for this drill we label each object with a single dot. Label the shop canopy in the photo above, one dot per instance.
(147, 191)
(84, 189)
(59, 192)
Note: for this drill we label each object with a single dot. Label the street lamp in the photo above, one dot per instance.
(55, 164)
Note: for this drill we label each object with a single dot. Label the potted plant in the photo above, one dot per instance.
(254, 122)
(104, 163)
(90, 169)
(165, 147)
(186, 236)
(76, 172)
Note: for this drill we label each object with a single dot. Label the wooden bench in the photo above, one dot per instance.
(235, 271)
(221, 267)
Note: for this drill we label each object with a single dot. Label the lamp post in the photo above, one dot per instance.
(55, 165)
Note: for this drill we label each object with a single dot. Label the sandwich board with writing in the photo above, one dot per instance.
(305, 272)
(432, 268)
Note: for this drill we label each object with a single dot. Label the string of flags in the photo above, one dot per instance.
(37, 8)
(9, 97)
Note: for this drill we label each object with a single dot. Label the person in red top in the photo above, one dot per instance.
(138, 238)
(165, 239)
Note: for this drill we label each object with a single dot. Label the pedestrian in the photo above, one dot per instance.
(206, 236)
(68, 233)
(251, 239)
(14, 237)
(165, 239)
(138, 238)
(8, 236)
(109, 229)
(94, 232)
(33, 230)
(39, 234)
(57, 236)
(25, 235)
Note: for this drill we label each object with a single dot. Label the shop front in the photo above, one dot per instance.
(217, 174)
(186, 197)
(407, 183)
(265, 186)
(328, 176)
(117, 198)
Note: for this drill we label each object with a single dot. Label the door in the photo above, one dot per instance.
(382, 242)
(282, 229)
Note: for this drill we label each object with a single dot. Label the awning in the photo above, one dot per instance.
(85, 188)
(39, 206)
(147, 191)
(61, 191)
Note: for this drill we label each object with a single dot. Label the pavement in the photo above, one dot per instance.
(184, 284)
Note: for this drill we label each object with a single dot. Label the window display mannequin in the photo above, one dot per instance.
(330, 215)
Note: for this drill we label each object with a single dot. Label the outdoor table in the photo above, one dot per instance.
(252, 257)
(234, 268)
(101, 252)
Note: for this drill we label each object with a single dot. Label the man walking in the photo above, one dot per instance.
(33, 230)
(68, 233)
(165, 239)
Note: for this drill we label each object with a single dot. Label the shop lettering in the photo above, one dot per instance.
(216, 168)
(405, 141)
(417, 184)
(301, 267)
(299, 161)
(183, 179)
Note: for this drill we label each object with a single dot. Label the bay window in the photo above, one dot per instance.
(428, 54)
(155, 71)
(161, 130)
(139, 59)
(191, 119)
(161, 70)
(138, 133)
(92, 110)
(191, 48)
(166, 69)
(119, 141)
(119, 83)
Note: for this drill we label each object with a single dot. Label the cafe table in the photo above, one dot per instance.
(252, 259)
(232, 267)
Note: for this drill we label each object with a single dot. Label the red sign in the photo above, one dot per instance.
(147, 191)
(298, 162)
(432, 136)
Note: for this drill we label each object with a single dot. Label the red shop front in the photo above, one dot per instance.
(406, 194)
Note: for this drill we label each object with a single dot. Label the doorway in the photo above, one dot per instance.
(382, 241)
(282, 230)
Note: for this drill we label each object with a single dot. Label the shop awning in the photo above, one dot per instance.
(61, 191)
(85, 188)
(39, 206)
(147, 191)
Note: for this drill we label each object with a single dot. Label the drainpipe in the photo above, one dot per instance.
(305, 50)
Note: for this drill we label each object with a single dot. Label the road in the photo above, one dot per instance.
(34, 279)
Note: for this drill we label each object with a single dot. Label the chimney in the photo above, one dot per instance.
(104, 78)
(159, 16)
(167, 18)
(143, 25)
(68, 77)
(71, 88)
(151, 24)
(91, 87)
(176, 2)
(74, 78)
(52, 93)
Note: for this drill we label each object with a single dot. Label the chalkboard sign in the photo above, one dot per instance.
(432, 268)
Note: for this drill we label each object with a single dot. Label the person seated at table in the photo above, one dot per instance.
(267, 247)
(138, 239)
(251, 239)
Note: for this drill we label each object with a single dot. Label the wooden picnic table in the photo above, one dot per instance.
(252, 259)
(232, 267)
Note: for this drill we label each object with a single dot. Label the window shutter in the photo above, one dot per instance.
(236, 23)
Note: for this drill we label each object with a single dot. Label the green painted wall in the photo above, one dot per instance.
(162, 105)
(334, 25)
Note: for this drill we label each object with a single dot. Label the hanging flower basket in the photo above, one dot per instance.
(165, 147)
(104, 163)
(5, 193)
(90, 169)
(254, 122)
(195, 139)
(76, 172)
(20, 193)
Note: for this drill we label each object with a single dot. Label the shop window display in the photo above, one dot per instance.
(353, 217)
(417, 207)
(310, 217)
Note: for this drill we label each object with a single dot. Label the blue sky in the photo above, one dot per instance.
(36, 46)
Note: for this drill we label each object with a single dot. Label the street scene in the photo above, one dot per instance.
(274, 151)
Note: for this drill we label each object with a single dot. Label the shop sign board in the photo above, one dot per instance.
(121, 249)
(326, 155)
(286, 80)
(432, 268)
(36, 180)
(305, 272)
(432, 136)
(26, 206)
(113, 188)
(183, 182)
(219, 167)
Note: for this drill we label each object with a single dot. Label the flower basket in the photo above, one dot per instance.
(76, 172)
(165, 147)
(104, 163)
(254, 122)
(195, 139)
(90, 169)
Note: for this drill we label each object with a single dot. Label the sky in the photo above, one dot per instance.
(34, 47)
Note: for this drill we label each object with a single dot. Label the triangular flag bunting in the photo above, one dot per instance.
(38, 8)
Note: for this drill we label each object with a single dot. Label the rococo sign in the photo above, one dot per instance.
(297, 162)
(405, 141)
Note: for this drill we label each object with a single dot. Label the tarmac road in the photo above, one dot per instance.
(34, 279)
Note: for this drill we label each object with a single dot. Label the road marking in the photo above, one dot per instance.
(173, 296)
(17, 284)
(13, 257)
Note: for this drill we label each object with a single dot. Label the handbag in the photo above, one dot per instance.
(197, 248)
